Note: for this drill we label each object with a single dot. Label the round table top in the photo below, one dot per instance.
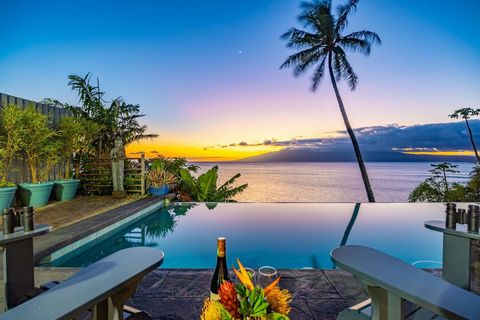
(19, 234)
(461, 230)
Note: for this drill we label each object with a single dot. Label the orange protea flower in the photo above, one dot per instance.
(228, 298)
(279, 300)
(210, 311)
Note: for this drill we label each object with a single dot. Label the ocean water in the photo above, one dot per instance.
(328, 181)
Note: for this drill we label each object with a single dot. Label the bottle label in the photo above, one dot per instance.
(214, 297)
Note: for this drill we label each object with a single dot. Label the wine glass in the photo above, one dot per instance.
(252, 273)
(266, 275)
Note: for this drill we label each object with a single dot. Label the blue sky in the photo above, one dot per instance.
(206, 73)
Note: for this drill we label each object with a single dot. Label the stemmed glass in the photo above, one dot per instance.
(252, 273)
(266, 275)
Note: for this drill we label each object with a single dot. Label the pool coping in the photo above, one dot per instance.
(66, 239)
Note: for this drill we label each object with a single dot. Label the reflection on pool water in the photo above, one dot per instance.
(283, 235)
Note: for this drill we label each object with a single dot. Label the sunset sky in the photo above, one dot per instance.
(207, 74)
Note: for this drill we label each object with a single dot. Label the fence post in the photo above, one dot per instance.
(142, 163)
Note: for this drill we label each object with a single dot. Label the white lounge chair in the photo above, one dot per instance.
(401, 291)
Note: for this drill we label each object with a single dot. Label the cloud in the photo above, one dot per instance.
(450, 136)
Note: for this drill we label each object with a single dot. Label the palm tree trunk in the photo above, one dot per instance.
(356, 147)
(472, 141)
(445, 182)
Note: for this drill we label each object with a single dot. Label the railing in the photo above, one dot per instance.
(96, 176)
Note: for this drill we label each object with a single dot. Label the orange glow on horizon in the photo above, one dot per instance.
(197, 153)
(442, 153)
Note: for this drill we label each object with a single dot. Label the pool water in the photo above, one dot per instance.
(283, 235)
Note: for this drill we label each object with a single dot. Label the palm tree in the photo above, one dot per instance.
(466, 114)
(116, 118)
(323, 43)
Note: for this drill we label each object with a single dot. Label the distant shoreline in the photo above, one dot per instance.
(311, 162)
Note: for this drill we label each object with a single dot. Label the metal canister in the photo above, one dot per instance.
(18, 218)
(473, 219)
(28, 219)
(463, 216)
(451, 215)
(8, 216)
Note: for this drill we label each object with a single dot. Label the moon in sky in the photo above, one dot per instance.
(240, 51)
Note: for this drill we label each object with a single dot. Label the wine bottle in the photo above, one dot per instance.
(221, 271)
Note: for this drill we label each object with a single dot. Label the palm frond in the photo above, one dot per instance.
(301, 39)
(318, 17)
(229, 193)
(319, 73)
(360, 41)
(343, 11)
(303, 60)
(344, 69)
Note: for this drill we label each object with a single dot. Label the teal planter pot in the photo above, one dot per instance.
(6, 197)
(35, 194)
(64, 190)
(158, 191)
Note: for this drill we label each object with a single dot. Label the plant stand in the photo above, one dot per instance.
(461, 255)
(18, 277)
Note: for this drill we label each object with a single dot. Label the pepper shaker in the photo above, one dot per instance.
(8, 217)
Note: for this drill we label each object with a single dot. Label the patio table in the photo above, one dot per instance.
(18, 277)
(461, 255)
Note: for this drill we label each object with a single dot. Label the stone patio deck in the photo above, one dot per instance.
(177, 294)
(169, 294)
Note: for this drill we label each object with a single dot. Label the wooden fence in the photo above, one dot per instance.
(19, 171)
(96, 176)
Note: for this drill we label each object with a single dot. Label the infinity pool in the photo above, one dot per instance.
(284, 235)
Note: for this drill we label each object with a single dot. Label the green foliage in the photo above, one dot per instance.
(75, 139)
(115, 118)
(204, 187)
(427, 191)
(12, 131)
(158, 177)
(160, 225)
(437, 188)
(277, 316)
(172, 165)
(224, 314)
(252, 303)
(39, 145)
(6, 184)
(464, 113)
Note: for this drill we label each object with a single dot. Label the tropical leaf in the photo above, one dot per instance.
(207, 184)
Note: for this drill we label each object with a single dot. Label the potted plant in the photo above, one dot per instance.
(11, 137)
(75, 136)
(41, 152)
(160, 181)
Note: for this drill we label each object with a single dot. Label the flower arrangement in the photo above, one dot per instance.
(247, 301)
